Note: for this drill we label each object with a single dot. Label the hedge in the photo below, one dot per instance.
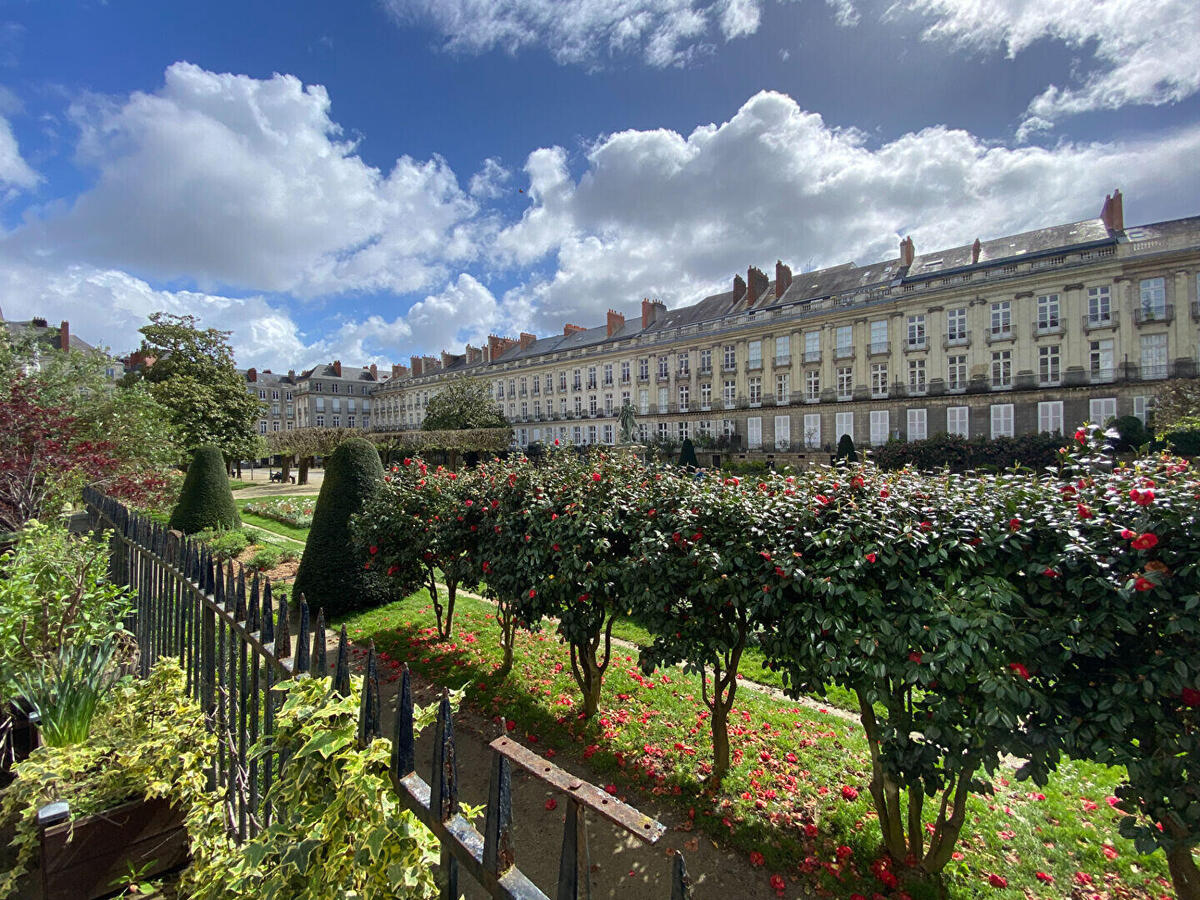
(205, 500)
(959, 454)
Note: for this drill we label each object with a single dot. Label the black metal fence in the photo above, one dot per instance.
(234, 641)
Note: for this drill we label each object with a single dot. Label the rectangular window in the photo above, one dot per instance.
(591, 382)
(578, 405)
(783, 351)
(624, 399)
(956, 324)
(644, 369)
(705, 362)
(625, 371)
(576, 380)
(879, 426)
(783, 388)
(684, 393)
(684, 430)
(1050, 416)
(336, 387)
(812, 346)
(662, 400)
(879, 379)
(844, 341)
(1153, 299)
(845, 383)
(577, 434)
(729, 393)
(524, 410)
(728, 428)
(608, 404)
(664, 367)
(916, 332)
(916, 376)
(320, 421)
(537, 409)
(591, 434)
(918, 428)
(349, 423)
(1047, 313)
(1141, 407)
(549, 383)
(956, 373)
(843, 424)
(1002, 318)
(1102, 409)
(730, 357)
(608, 374)
(1002, 369)
(521, 386)
(812, 386)
(1100, 360)
(783, 432)
(812, 430)
(1002, 420)
(958, 421)
(1049, 365)
(608, 434)
(262, 427)
(705, 396)
(1154, 356)
(879, 336)
(337, 420)
(754, 432)
(683, 363)
(1099, 305)
(562, 380)
(754, 354)
(755, 386)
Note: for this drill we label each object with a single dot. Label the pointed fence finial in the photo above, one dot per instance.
(341, 675)
(283, 630)
(404, 754)
(302, 660)
(368, 713)
(320, 658)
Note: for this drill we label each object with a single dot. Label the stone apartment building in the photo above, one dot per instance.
(1031, 332)
(320, 397)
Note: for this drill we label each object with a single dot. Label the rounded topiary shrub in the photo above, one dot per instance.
(205, 501)
(331, 575)
(687, 454)
(845, 449)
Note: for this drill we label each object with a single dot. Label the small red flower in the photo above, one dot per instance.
(849, 793)
(778, 884)
(1044, 877)
(885, 493)
(1110, 851)
(870, 557)
(1141, 498)
(998, 881)
(810, 830)
(407, 461)
(595, 476)
(1145, 541)
(756, 858)
(1081, 436)
(1083, 878)
(1143, 584)
(844, 852)
(611, 788)
(1084, 512)
(372, 549)
(1050, 573)
(1190, 697)
(914, 657)
(1128, 535)
(551, 804)
(1014, 524)
(925, 526)
(1019, 669)
(532, 593)
(509, 724)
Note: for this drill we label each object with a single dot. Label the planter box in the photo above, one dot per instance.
(22, 739)
(81, 860)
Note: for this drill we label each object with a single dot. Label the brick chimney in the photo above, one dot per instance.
(415, 362)
(739, 288)
(472, 355)
(39, 323)
(1113, 213)
(907, 252)
(757, 282)
(251, 374)
(374, 372)
(975, 250)
(400, 371)
(64, 336)
(616, 322)
(337, 368)
(292, 374)
(498, 346)
(783, 278)
(527, 340)
(430, 364)
(652, 311)
(570, 329)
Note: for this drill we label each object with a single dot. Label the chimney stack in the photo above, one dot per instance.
(337, 368)
(252, 375)
(415, 362)
(975, 250)
(570, 329)
(64, 336)
(907, 252)
(616, 322)
(527, 340)
(652, 311)
(1113, 213)
(756, 284)
(374, 372)
(39, 322)
(739, 288)
(783, 278)
(498, 346)
(400, 371)
(430, 364)
(292, 374)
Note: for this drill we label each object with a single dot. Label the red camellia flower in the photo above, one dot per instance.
(822, 499)
(756, 858)
(372, 549)
(914, 657)
(611, 788)
(1145, 541)
(1084, 512)
(998, 881)
(392, 570)
(810, 830)
(1044, 877)
(551, 804)
(1141, 498)
(1019, 669)
(1127, 534)
(532, 593)
(885, 493)
(595, 476)
(1050, 573)
(925, 526)
(849, 793)
(870, 557)
(778, 884)
(1083, 878)
(1190, 697)
(1143, 584)
(407, 461)
(844, 852)
(1014, 524)
(1081, 436)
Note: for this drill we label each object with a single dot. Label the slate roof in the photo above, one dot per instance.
(47, 334)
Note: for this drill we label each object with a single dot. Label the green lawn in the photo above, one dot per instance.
(790, 764)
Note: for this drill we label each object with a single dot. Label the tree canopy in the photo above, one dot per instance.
(463, 403)
(194, 378)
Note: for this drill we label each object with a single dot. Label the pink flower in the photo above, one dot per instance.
(1127, 534)
(1083, 878)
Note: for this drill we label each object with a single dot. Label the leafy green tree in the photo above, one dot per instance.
(1175, 400)
(193, 376)
(205, 501)
(462, 403)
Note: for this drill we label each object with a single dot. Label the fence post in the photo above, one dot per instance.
(320, 657)
(568, 862)
(341, 674)
(497, 829)
(681, 885)
(443, 793)
(403, 749)
(368, 711)
(302, 661)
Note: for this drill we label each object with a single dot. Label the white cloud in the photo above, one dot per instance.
(1147, 51)
(845, 12)
(489, 182)
(656, 213)
(236, 182)
(662, 32)
(15, 174)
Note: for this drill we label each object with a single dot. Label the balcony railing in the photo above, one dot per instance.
(1102, 376)
(960, 339)
(843, 352)
(1047, 326)
(999, 334)
(917, 344)
(729, 367)
(1153, 373)
(812, 356)
(785, 360)
(877, 348)
(753, 365)
(1143, 315)
(1091, 322)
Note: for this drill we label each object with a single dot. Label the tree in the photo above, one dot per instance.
(194, 378)
(330, 575)
(687, 454)
(845, 449)
(462, 403)
(1177, 399)
(205, 500)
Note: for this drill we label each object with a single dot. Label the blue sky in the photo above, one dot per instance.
(380, 179)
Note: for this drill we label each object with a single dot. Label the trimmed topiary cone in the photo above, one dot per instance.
(331, 575)
(205, 500)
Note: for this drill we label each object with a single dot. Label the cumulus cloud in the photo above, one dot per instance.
(236, 182)
(1146, 52)
(662, 32)
(657, 213)
(489, 182)
(15, 174)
